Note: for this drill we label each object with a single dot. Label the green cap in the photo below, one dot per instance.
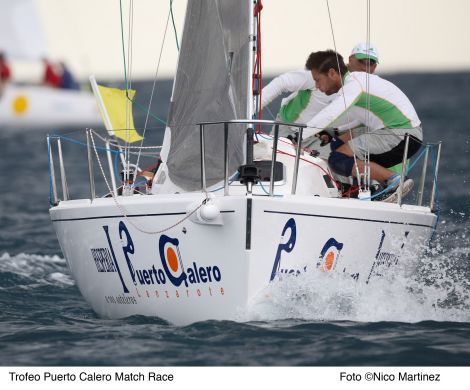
(364, 51)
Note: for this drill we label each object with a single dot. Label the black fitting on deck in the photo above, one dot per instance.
(249, 173)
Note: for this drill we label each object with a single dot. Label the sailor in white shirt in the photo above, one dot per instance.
(305, 100)
(368, 101)
(303, 103)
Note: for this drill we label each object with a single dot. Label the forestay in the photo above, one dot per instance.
(212, 84)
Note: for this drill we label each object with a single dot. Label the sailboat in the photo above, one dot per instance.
(27, 105)
(230, 210)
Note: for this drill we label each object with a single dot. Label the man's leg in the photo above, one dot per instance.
(382, 148)
(377, 172)
(346, 136)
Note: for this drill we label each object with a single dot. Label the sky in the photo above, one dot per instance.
(411, 35)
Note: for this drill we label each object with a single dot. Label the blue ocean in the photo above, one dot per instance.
(421, 320)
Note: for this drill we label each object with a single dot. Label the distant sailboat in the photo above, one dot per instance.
(32, 106)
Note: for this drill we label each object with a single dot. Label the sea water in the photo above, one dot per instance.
(313, 319)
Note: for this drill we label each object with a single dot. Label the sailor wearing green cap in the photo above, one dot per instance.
(370, 101)
(364, 58)
(305, 100)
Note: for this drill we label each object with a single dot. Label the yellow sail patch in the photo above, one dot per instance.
(119, 111)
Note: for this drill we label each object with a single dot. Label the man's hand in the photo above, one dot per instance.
(294, 138)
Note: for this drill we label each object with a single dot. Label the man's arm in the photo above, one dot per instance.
(350, 125)
(326, 117)
(288, 82)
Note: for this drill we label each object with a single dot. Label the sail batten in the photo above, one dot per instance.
(210, 85)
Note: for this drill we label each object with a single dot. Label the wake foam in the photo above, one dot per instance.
(37, 269)
(437, 288)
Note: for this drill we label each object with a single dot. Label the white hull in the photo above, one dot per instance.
(228, 263)
(36, 106)
(279, 214)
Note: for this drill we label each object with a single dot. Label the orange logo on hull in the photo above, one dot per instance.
(329, 255)
(328, 262)
(172, 259)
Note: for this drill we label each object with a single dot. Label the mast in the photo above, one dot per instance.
(251, 55)
(253, 76)
(249, 174)
(250, 81)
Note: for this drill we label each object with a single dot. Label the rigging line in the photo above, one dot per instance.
(49, 154)
(304, 148)
(258, 9)
(153, 90)
(123, 210)
(129, 64)
(143, 109)
(123, 46)
(270, 113)
(174, 25)
(437, 205)
(130, 39)
(369, 106)
(129, 86)
(257, 74)
(326, 172)
(342, 89)
(115, 144)
(408, 169)
(156, 75)
(367, 156)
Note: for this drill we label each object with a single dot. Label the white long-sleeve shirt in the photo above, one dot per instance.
(381, 105)
(305, 100)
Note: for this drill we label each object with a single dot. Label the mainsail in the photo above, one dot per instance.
(21, 35)
(212, 84)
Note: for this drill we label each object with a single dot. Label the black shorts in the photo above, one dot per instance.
(395, 155)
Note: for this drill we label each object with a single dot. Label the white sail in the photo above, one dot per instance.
(211, 85)
(29, 106)
(21, 35)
